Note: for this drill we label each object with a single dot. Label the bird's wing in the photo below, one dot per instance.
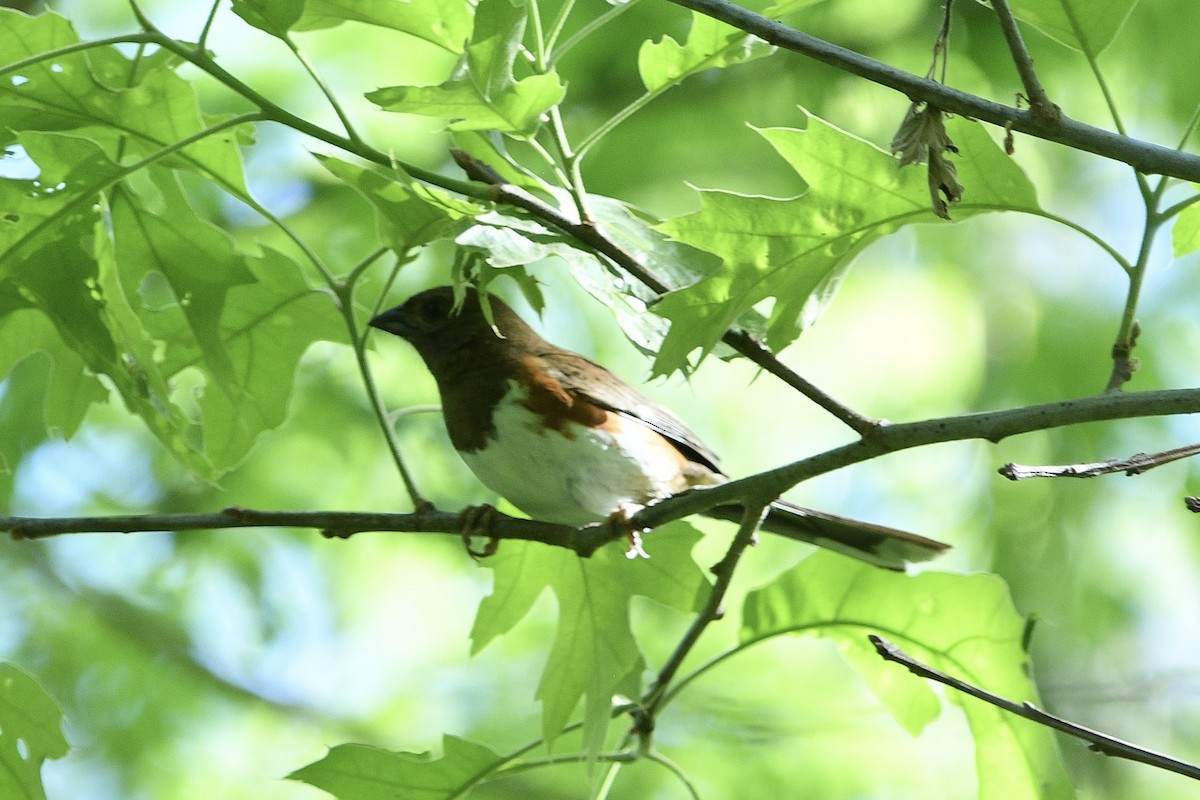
(618, 396)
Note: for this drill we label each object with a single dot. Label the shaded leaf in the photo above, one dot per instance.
(30, 732)
(363, 772)
(1087, 25)
(962, 625)
(594, 655)
(408, 214)
(242, 321)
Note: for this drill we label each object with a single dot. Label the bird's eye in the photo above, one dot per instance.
(434, 309)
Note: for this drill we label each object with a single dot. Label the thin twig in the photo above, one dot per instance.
(332, 524)
(1134, 465)
(647, 710)
(990, 426)
(1142, 156)
(1100, 742)
(1046, 111)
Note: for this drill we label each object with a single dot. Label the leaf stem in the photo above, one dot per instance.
(330, 97)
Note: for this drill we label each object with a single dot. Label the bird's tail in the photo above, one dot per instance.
(884, 547)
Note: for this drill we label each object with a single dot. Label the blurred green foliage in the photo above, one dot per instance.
(202, 364)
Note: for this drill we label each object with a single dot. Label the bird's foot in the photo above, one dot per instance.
(478, 521)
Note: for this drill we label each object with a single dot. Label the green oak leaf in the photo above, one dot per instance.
(1086, 25)
(794, 249)
(1185, 233)
(30, 732)
(516, 110)
(594, 654)
(962, 625)
(90, 92)
(242, 321)
(363, 772)
(408, 214)
(710, 44)
(445, 23)
(276, 17)
(487, 96)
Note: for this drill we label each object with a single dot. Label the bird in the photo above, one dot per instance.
(566, 441)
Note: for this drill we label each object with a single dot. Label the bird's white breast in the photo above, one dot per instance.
(576, 475)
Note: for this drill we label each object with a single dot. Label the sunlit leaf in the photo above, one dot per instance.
(446, 23)
(963, 625)
(789, 249)
(362, 772)
(30, 732)
(99, 93)
(487, 97)
(594, 655)
(1185, 234)
(276, 17)
(710, 44)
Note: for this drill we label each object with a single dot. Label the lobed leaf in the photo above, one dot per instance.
(30, 732)
(1185, 233)
(1086, 25)
(963, 625)
(594, 655)
(486, 96)
(711, 44)
(445, 23)
(132, 109)
(363, 772)
(793, 249)
(276, 17)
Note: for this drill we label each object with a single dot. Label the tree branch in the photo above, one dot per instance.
(332, 524)
(1042, 108)
(1101, 743)
(988, 425)
(1142, 156)
(1134, 465)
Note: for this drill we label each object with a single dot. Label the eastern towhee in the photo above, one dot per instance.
(566, 441)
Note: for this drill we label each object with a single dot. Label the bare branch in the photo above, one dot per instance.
(1142, 156)
(647, 710)
(1100, 742)
(1134, 465)
(1043, 109)
(333, 524)
(988, 425)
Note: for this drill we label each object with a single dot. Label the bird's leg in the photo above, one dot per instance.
(478, 520)
(619, 523)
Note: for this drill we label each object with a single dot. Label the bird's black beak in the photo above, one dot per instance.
(395, 322)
